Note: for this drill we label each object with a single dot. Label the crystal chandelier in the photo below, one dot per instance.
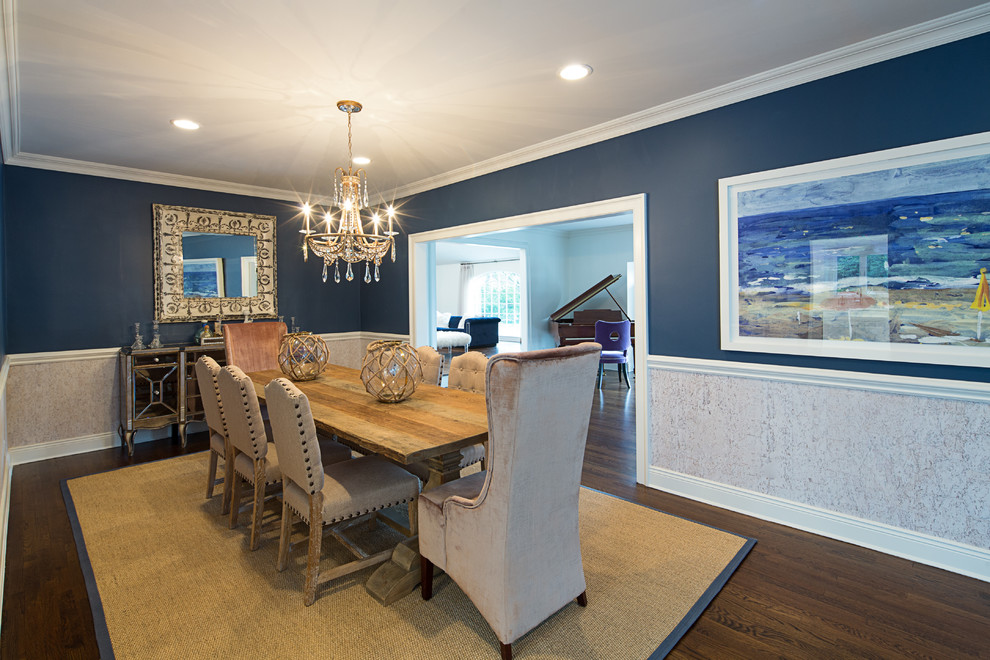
(349, 242)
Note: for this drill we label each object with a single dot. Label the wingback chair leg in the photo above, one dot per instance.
(506, 651)
(601, 375)
(426, 578)
(582, 600)
(315, 545)
(259, 504)
(211, 474)
(283, 538)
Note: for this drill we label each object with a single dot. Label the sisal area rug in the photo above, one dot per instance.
(168, 579)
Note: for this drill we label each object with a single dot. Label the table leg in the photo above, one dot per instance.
(399, 576)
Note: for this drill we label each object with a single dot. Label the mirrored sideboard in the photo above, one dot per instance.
(158, 388)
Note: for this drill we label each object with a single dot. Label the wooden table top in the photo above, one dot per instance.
(432, 422)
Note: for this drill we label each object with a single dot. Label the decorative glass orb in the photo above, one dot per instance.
(303, 356)
(391, 371)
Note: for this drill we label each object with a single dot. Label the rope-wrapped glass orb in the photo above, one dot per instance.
(303, 356)
(391, 371)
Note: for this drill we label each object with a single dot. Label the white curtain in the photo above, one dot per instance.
(467, 274)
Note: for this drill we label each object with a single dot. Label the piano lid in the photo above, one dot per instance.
(584, 297)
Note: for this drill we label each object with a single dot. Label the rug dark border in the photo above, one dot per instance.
(706, 598)
(103, 633)
(95, 603)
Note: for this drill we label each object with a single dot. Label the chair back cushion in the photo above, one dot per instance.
(207, 371)
(253, 346)
(245, 425)
(294, 434)
(431, 363)
(467, 372)
(612, 336)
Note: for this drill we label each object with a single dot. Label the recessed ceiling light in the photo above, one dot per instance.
(361, 160)
(187, 124)
(575, 71)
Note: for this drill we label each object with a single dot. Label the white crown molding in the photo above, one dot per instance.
(942, 553)
(919, 37)
(958, 390)
(902, 42)
(72, 166)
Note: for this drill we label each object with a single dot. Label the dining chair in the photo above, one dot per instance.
(334, 496)
(432, 364)
(254, 458)
(253, 346)
(508, 537)
(207, 370)
(467, 373)
(615, 341)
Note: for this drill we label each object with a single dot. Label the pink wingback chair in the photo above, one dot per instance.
(509, 536)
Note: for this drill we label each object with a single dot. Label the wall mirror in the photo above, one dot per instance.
(213, 263)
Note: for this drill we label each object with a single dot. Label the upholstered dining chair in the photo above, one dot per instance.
(253, 346)
(615, 341)
(332, 495)
(207, 371)
(254, 459)
(467, 373)
(432, 363)
(509, 536)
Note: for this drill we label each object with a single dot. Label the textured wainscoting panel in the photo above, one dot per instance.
(915, 463)
(347, 350)
(56, 400)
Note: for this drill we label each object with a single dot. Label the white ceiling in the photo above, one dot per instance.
(451, 88)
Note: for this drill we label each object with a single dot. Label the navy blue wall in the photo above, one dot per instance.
(79, 253)
(930, 95)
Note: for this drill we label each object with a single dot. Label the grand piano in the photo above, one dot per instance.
(581, 324)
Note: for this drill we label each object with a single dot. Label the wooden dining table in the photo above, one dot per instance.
(430, 427)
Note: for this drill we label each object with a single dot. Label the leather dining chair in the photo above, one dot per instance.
(207, 371)
(253, 346)
(432, 364)
(467, 373)
(508, 537)
(332, 495)
(614, 338)
(254, 458)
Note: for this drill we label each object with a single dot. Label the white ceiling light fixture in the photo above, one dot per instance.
(185, 124)
(349, 242)
(575, 71)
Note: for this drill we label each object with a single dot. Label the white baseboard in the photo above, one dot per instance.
(949, 555)
(68, 446)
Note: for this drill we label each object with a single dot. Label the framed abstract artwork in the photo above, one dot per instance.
(879, 256)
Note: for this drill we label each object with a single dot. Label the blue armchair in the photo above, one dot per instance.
(483, 331)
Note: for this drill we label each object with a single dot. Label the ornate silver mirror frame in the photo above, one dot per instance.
(171, 304)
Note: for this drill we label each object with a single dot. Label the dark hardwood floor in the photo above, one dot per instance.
(796, 595)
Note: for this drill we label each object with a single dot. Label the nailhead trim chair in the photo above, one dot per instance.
(207, 371)
(509, 536)
(254, 458)
(432, 363)
(324, 496)
(467, 373)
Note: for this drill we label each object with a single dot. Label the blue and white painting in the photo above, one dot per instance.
(202, 278)
(894, 255)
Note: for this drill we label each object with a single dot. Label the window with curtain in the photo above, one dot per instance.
(498, 293)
